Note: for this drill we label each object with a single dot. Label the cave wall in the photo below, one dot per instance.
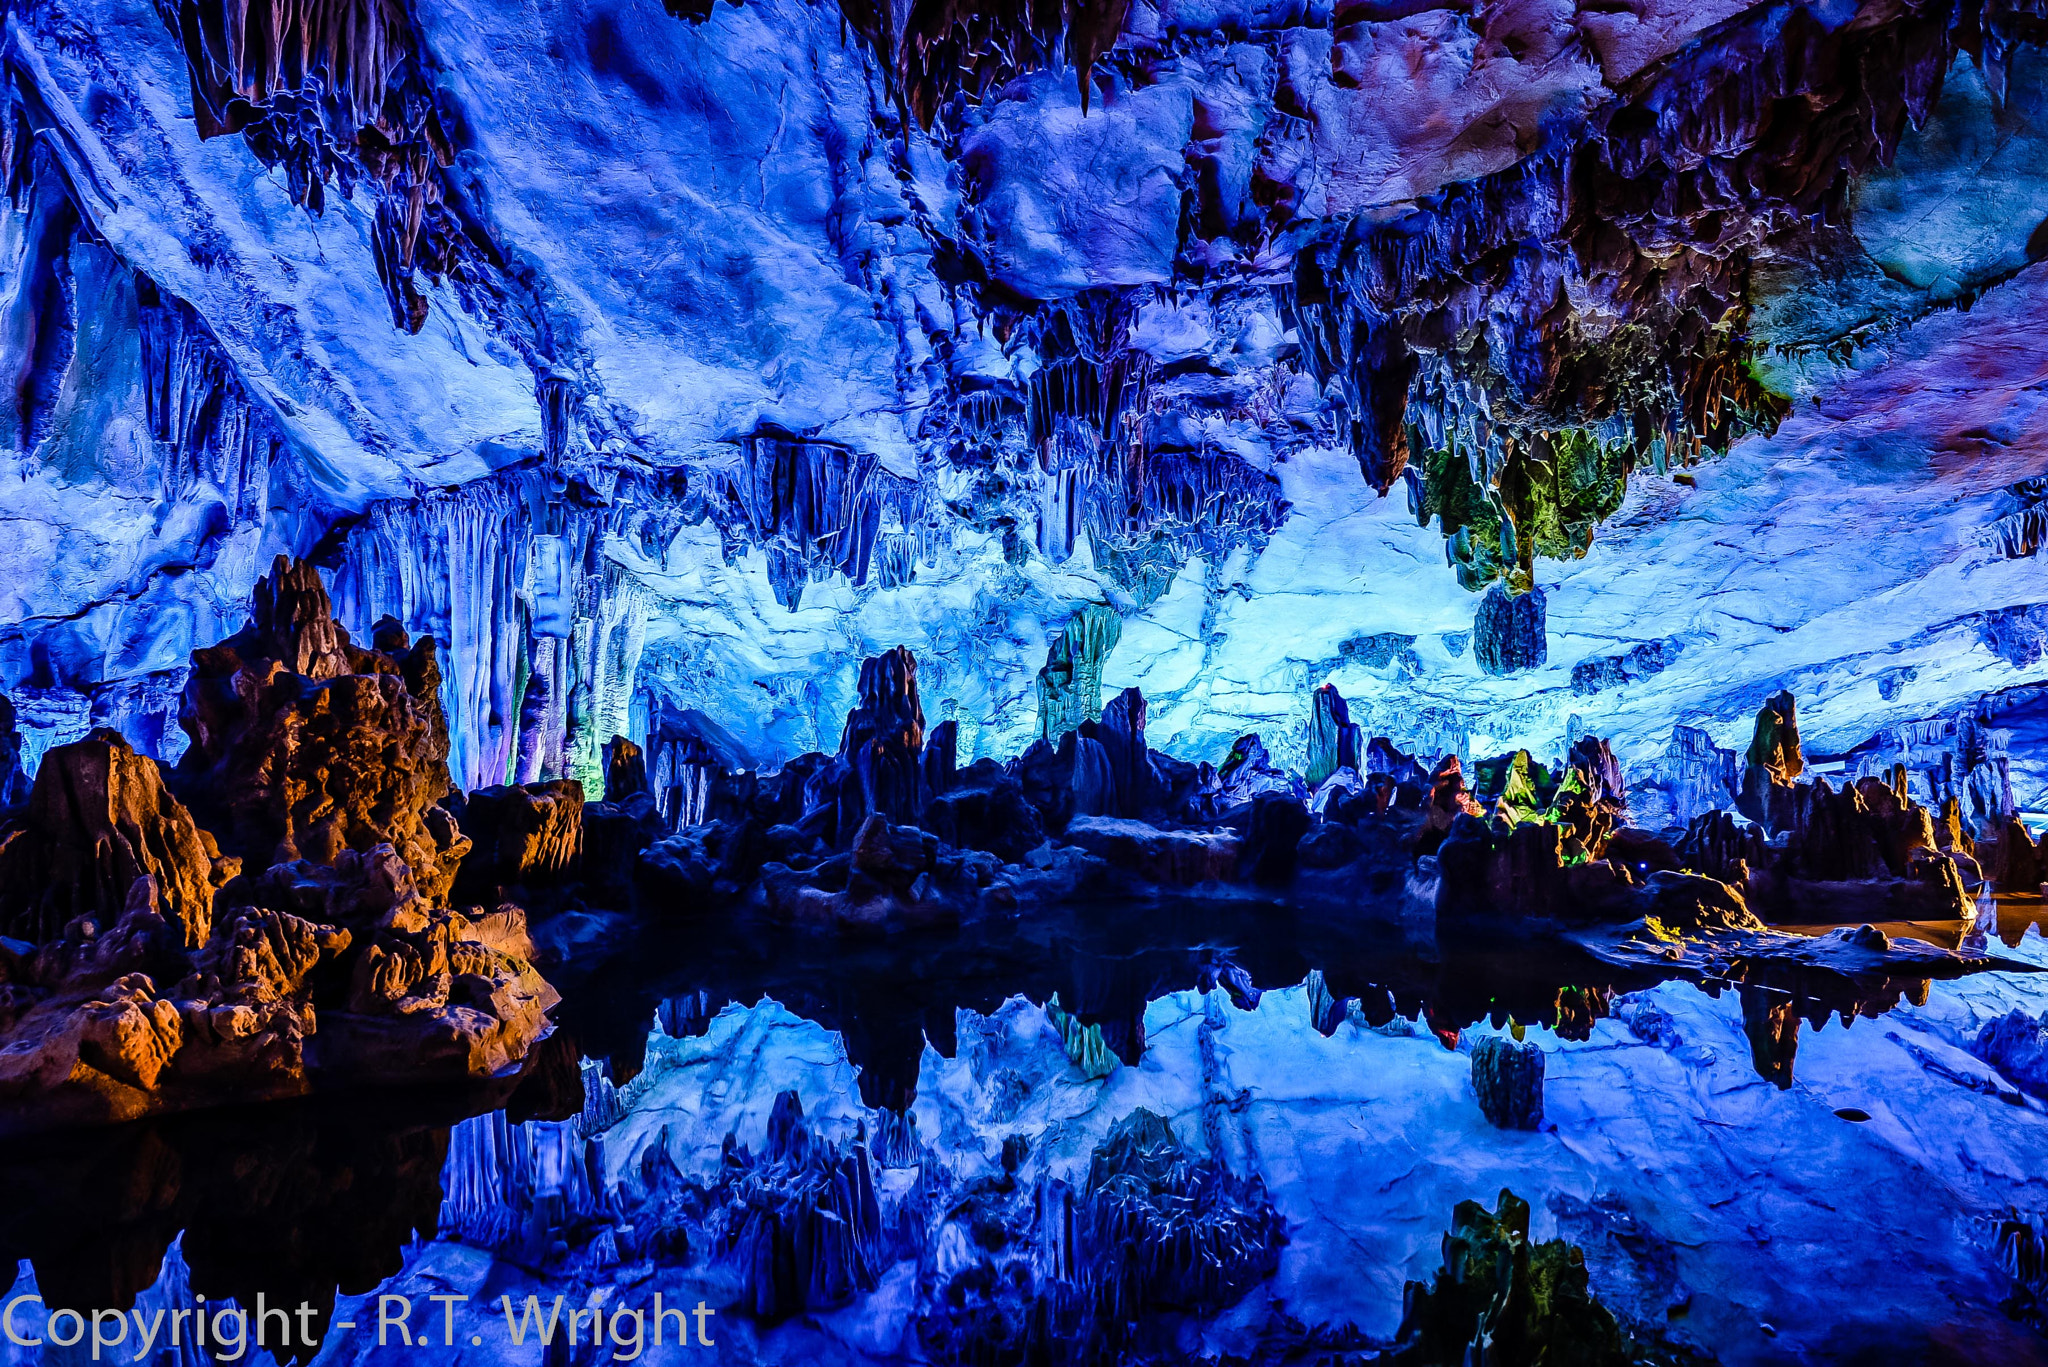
(657, 362)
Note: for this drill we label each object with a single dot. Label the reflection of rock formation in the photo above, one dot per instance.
(1508, 1078)
(1509, 633)
(1512, 1299)
(293, 1202)
(1770, 1018)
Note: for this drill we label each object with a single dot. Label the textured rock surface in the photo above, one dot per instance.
(1146, 341)
(1508, 1077)
(98, 819)
(304, 745)
(156, 979)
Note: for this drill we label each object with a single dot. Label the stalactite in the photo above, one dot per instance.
(211, 431)
(337, 91)
(41, 318)
(817, 509)
(452, 565)
(1610, 329)
(544, 630)
(1145, 511)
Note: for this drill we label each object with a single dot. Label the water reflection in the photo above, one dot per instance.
(297, 1202)
(292, 1201)
(1106, 962)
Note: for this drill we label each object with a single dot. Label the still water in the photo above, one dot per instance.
(903, 1149)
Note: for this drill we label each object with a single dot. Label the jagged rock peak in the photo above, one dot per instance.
(625, 770)
(1775, 745)
(286, 764)
(1334, 740)
(889, 710)
(98, 819)
(293, 620)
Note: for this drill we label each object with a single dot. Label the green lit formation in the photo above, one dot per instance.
(1070, 685)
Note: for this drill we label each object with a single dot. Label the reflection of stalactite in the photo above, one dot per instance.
(512, 1188)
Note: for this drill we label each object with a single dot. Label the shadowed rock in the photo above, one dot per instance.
(1508, 634)
(1508, 1077)
(14, 783)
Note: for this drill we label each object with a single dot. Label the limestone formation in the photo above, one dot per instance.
(1508, 1078)
(305, 745)
(14, 781)
(1504, 1296)
(99, 818)
(1070, 684)
(530, 835)
(1334, 740)
(1508, 634)
(2019, 864)
(160, 980)
(884, 740)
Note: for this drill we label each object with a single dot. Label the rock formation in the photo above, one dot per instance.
(1070, 685)
(1509, 634)
(884, 741)
(1522, 1301)
(1508, 1078)
(1334, 741)
(304, 744)
(98, 819)
(160, 980)
(531, 835)
(2018, 864)
(14, 781)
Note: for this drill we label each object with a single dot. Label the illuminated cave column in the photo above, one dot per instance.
(550, 594)
(1070, 685)
(605, 651)
(486, 640)
(451, 567)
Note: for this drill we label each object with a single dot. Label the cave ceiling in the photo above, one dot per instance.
(707, 350)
